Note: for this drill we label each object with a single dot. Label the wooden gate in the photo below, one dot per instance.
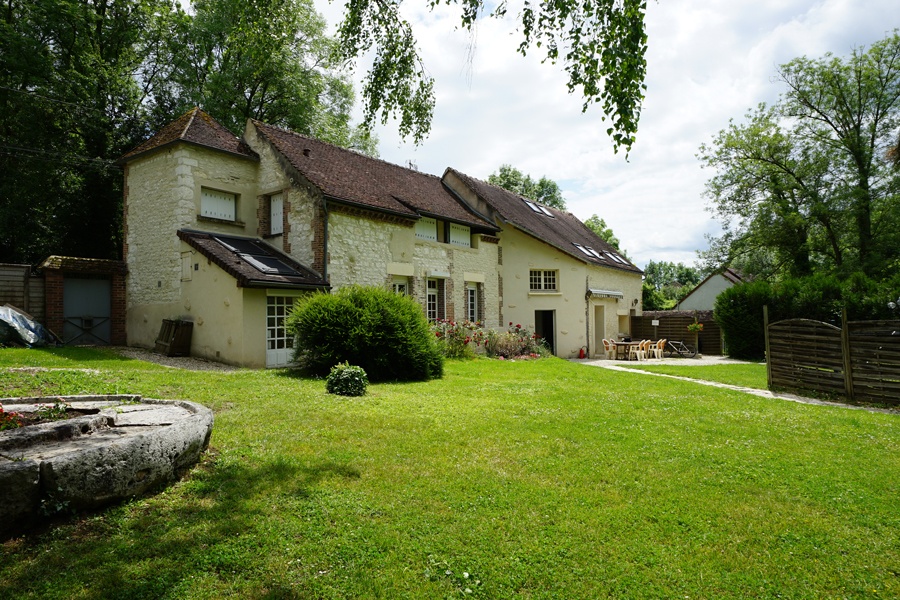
(860, 361)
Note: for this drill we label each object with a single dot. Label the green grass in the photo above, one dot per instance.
(742, 375)
(537, 479)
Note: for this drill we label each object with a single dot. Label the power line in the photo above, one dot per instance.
(50, 156)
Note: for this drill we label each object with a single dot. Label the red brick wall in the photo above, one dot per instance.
(53, 300)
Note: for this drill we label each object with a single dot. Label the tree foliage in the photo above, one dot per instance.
(269, 60)
(601, 45)
(82, 82)
(806, 186)
(71, 98)
(598, 226)
(546, 191)
(666, 283)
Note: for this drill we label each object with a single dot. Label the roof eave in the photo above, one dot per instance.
(130, 157)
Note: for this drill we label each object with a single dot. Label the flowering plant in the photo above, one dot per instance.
(458, 338)
(9, 420)
(515, 342)
(695, 327)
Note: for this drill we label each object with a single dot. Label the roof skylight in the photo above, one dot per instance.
(538, 208)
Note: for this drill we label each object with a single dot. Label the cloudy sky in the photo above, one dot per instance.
(708, 61)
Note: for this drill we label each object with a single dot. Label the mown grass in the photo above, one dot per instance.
(537, 479)
(742, 375)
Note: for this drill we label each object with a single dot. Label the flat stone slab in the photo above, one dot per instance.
(125, 447)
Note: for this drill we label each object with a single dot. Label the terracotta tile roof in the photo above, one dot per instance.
(252, 262)
(194, 127)
(558, 228)
(353, 178)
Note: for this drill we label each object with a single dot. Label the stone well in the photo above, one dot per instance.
(125, 446)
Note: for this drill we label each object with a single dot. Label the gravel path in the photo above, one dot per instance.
(187, 363)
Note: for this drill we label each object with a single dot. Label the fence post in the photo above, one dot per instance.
(768, 354)
(845, 354)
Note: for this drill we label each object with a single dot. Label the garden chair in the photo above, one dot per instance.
(637, 351)
(656, 350)
(610, 347)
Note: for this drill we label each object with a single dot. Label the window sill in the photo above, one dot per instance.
(545, 293)
(240, 224)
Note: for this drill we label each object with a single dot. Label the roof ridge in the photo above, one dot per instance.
(193, 113)
(516, 194)
(358, 153)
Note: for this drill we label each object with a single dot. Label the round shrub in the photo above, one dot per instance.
(385, 333)
(347, 380)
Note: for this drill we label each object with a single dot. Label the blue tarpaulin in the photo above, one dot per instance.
(18, 327)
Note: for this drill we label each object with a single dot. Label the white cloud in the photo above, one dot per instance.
(708, 61)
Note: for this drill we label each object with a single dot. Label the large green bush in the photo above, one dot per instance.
(384, 333)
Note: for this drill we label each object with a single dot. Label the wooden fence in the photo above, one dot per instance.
(859, 361)
(673, 326)
(22, 289)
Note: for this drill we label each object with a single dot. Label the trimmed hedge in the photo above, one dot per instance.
(384, 333)
(739, 310)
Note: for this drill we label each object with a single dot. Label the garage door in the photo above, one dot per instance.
(86, 311)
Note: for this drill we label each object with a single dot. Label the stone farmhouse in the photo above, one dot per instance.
(228, 232)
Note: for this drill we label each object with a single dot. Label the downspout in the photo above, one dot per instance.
(587, 316)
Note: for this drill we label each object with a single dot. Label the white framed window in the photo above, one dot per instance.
(431, 300)
(460, 235)
(276, 214)
(542, 280)
(277, 309)
(218, 205)
(426, 229)
(472, 302)
(400, 285)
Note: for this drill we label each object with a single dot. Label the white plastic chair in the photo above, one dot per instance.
(610, 347)
(656, 350)
(638, 350)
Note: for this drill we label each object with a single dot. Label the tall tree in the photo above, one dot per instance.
(806, 185)
(81, 82)
(70, 99)
(601, 44)
(598, 226)
(546, 191)
(269, 60)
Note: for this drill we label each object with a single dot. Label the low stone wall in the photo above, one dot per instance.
(128, 446)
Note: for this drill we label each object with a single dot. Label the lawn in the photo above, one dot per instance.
(526, 479)
(751, 375)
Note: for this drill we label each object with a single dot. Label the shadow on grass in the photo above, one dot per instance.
(212, 530)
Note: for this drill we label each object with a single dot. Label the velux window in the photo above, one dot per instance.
(542, 281)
